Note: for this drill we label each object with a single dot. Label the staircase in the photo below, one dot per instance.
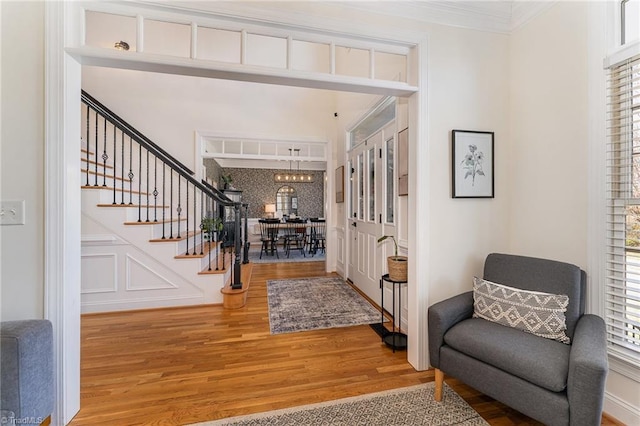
(144, 244)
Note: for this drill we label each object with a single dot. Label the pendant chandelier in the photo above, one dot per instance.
(293, 176)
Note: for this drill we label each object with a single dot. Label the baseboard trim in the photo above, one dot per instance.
(620, 411)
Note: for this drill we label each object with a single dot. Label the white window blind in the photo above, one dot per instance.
(622, 290)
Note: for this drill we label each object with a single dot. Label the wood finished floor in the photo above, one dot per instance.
(185, 365)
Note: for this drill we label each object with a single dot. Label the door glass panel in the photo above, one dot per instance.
(372, 184)
(352, 191)
(360, 186)
(383, 114)
(389, 181)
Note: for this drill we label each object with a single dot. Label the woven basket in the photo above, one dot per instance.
(397, 266)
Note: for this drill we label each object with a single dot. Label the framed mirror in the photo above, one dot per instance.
(287, 200)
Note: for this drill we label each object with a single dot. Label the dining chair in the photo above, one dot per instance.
(318, 237)
(269, 236)
(295, 236)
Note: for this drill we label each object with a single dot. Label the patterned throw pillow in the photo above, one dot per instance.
(542, 314)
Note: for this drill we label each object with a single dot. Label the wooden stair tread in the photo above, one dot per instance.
(99, 174)
(237, 298)
(111, 188)
(144, 206)
(152, 222)
(217, 262)
(104, 166)
(85, 151)
(189, 234)
(205, 251)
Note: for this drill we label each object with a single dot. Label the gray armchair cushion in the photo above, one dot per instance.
(588, 368)
(443, 316)
(26, 370)
(541, 361)
(544, 275)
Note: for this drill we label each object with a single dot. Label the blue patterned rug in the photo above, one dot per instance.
(398, 407)
(316, 303)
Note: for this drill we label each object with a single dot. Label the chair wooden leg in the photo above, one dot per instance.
(437, 394)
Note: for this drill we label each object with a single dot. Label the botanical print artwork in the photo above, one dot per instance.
(472, 163)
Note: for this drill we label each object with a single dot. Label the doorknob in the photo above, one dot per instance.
(354, 224)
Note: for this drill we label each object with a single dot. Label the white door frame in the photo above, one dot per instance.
(63, 27)
(62, 207)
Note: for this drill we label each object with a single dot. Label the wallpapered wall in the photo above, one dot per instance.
(258, 189)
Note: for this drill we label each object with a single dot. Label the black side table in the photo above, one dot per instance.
(394, 339)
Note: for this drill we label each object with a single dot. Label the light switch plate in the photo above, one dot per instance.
(12, 212)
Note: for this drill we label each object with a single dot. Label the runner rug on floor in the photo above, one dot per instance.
(399, 407)
(315, 303)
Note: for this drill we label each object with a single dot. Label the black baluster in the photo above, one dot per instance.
(195, 217)
(130, 175)
(121, 170)
(88, 145)
(179, 209)
(202, 216)
(217, 250)
(95, 180)
(104, 155)
(210, 238)
(171, 205)
(163, 201)
(114, 164)
(155, 188)
(147, 187)
(187, 210)
(139, 183)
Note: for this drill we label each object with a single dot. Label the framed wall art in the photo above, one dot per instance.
(339, 184)
(403, 162)
(472, 164)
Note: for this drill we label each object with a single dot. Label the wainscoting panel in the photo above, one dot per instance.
(99, 272)
(118, 276)
(372, 255)
(340, 252)
(140, 276)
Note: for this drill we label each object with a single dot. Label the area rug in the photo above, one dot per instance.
(399, 407)
(295, 256)
(316, 303)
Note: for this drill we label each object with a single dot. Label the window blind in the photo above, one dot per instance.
(622, 285)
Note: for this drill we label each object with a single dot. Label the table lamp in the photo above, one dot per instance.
(270, 208)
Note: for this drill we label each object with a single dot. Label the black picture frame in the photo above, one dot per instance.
(339, 181)
(472, 168)
(403, 162)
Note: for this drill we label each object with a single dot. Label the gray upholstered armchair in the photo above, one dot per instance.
(553, 382)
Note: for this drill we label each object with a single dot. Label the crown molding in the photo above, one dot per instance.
(502, 16)
(490, 16)
(524, 11)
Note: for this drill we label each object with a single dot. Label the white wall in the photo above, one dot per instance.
(22, 159)
(548, 165)
(468, 90)
(549, 170)
(169, 108)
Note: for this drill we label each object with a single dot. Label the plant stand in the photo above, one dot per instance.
(394, 339)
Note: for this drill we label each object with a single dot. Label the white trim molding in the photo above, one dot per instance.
(62, 204)
(621, 410)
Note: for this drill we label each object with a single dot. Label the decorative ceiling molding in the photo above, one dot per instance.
(524, 11)
(355, 17)
(502, 16)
